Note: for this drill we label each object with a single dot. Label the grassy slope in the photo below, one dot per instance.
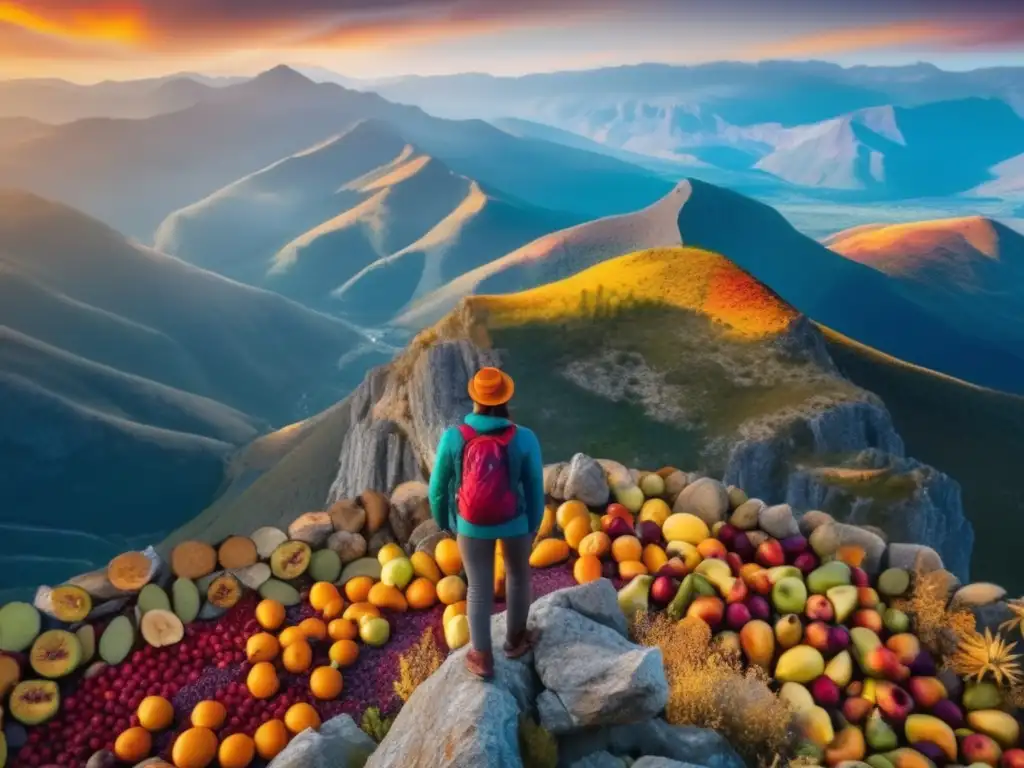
(973, 434)
(250, 349)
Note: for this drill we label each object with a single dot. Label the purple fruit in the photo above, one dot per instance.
(838, 640)
(948, 712)
(727, 535)
(923, 665)
(793, 546)
(610, 569)
(736, 615)
(759, 607)
(931, 750)
(648, 532)
(741, 546)
(825, 692)
(619, 527)
(806, 562)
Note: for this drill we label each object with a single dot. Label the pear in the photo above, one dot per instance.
(984, 695)
(844, 599)
(694, 585)
(633, 598)
(782, 571)
(880, 735)
(864, 641)
(840, 669)
(816, 726)
(800, 664)
(797, 696)
(823, 578)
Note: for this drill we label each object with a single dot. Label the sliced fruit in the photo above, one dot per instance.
(237, 552)
(86, 635)
(19, 626)
(364, 566)
(131, 571)
(152, 598)
(224, 591)
(193, 559)
(267, 539)
(253, 576)
(283, 593)
(290, 560)
(55, 654)
(161, 628)
(117, 640)
(325, 565)
(66, 603)
(34, 701)
(187, 601)
(10, 674)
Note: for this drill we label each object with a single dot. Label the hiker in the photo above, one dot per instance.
(488, 486)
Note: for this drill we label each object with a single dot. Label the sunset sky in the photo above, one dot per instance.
(90, 40)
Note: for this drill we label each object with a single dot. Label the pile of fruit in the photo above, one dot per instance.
(239, 650)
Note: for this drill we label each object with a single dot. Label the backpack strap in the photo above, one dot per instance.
(467, 432)
(505, 436)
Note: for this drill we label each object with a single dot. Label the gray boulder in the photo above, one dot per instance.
(339, 743)
(913, 556)
(655, 737)
(409, 508)
(705, 498)
(600, 759)
(659, 762)
(581, 478)
(596, 600)
(778, 521)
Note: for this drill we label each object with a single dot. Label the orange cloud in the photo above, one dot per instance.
(120, 25)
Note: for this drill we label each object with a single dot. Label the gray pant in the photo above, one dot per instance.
(478, 560)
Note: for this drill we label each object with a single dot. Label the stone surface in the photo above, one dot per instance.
(423, 531)
(978, 593)
(581, 478)
(737, 496)
(746, 515)
(377, 541)
(824, 539)
(705, 498)
(378, 508)
(871, 543)
(347, 515)
(312, 528)
(655, 737)
(340, 743)
(596, 600)
(813, 519)
(409, 508)
(600, 759)
(349, 546)
(659, 762)
(910, 557)
(675, 482)
(778, 521)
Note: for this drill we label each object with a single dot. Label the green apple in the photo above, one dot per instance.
(374, 631)
(789, 595)
(397, 572)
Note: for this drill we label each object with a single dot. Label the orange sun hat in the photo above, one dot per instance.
(491, 386)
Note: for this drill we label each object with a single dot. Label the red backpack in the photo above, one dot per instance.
(486, 496)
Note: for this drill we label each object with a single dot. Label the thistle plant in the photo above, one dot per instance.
(980, 655)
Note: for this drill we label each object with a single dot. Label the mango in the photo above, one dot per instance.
(549, 552)
(929, 728)
(999, 725)
(848, 745)
(682, 526)
(800, 664)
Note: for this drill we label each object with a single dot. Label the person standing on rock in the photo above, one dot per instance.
(487, 486)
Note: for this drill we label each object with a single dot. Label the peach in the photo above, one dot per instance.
(869, 619)
(1012, 758)
(819, 608)
(880, 662)
(816, 635)
(848, 745)
(712, 548)
(906, 647)
(856, 709)
(979, 748)
(736, 591)
(927, 691)
(710, 609)
(758, 642)
(770, 554)
(895, 703)
(867, 597)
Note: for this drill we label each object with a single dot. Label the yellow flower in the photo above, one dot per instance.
(978, 655)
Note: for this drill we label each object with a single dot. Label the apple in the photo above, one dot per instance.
(816, 635)
(819, 608)
(673, 567)
(727, 534)
(736, 591)
(838, 640)
(770, 554)
(742, 546)
(374, 631)
(648, 532)
(793, 546)
(759, 607)
(736, 615)
(710, 609)
(789, 595)
(663, 589)
(806, 562)
(735, 562)
(712, 548)
(859, 577)
(825, 692)
(869, 619)
(618, 527)
(619, 510)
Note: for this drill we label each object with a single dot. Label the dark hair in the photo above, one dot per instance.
(500, 411)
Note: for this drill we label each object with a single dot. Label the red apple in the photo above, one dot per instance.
(825, 692)
(727, 535)
(675, 568)
(735, 563)
(736, 615)
(806, 562)
(770, 554)
(1012, 758)
(618, 510)
(663, 589)
(619, 527)
(816, 635)
(819, 608)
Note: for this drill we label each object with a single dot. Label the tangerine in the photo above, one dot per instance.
(262, 646)
(451, 589)
(343, 629)
(290, 635)
(133, 745)
(587, 568)
(155, 713)
(209, 714)
(262, 680)
(270, 614)
(357, 589)
(322, 593)
(333, 609)
(270, 738)
(313, 628)
(343, 653)
(595, 543)
(448, 557)
(326, 683)
(297, 657)
(301, 716)
(194, 748)
(236, 751)
(626, 548)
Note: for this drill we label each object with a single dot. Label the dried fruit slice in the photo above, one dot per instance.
(290, 560)
(55, 654)
(267, 539)
(325, 565)
(253, 576)
(224, 591)
(19, 626)
(187, 600)
(285, 594)
(34, 701)
(193, 559)
(66, 603)
(237, 552)
(86, 635)
(152, 598)
(161, 628)
(131, 571)
(10, 674)
(117, 640)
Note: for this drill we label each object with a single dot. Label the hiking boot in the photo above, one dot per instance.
(520, 645)
(480, 664)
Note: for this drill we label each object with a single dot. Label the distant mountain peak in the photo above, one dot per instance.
(282, 75)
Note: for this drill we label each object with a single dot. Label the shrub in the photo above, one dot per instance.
(710, 688)
(374, 724)
(539, 749)
(939, 628)
(417, 664)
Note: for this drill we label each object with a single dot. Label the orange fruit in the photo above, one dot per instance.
(595, 543)
(236, 751)
(270, 738)
(421, 594)
(357, 589)
(451, 589)
(851, 554)
(654, 557)
(577, 529)
(333, 609)
(133, 745)
(423, 565)
(712, 548)
(301, 716)
(290, 635)
(343, 653)
(194, 748)
(343, 629)
(262, 680)
(569, 510)
(447, 557)
(626, 548)
(357, 611)
(270, 614)
(586, 568)
(387, 596)
(455, 609)
(322, 593)
(209, 714)
(326, 683)
(297, 657)
(262, 646)
(630, 568)
(313, 628)
(155, 713)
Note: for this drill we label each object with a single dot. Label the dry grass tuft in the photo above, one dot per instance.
(538, 747)
(417, 664)
(980, 655)
(939, 627)
(710, 688)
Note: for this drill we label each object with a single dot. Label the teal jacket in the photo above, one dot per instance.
(527, 478)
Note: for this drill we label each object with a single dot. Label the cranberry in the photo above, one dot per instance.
(95, 743)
